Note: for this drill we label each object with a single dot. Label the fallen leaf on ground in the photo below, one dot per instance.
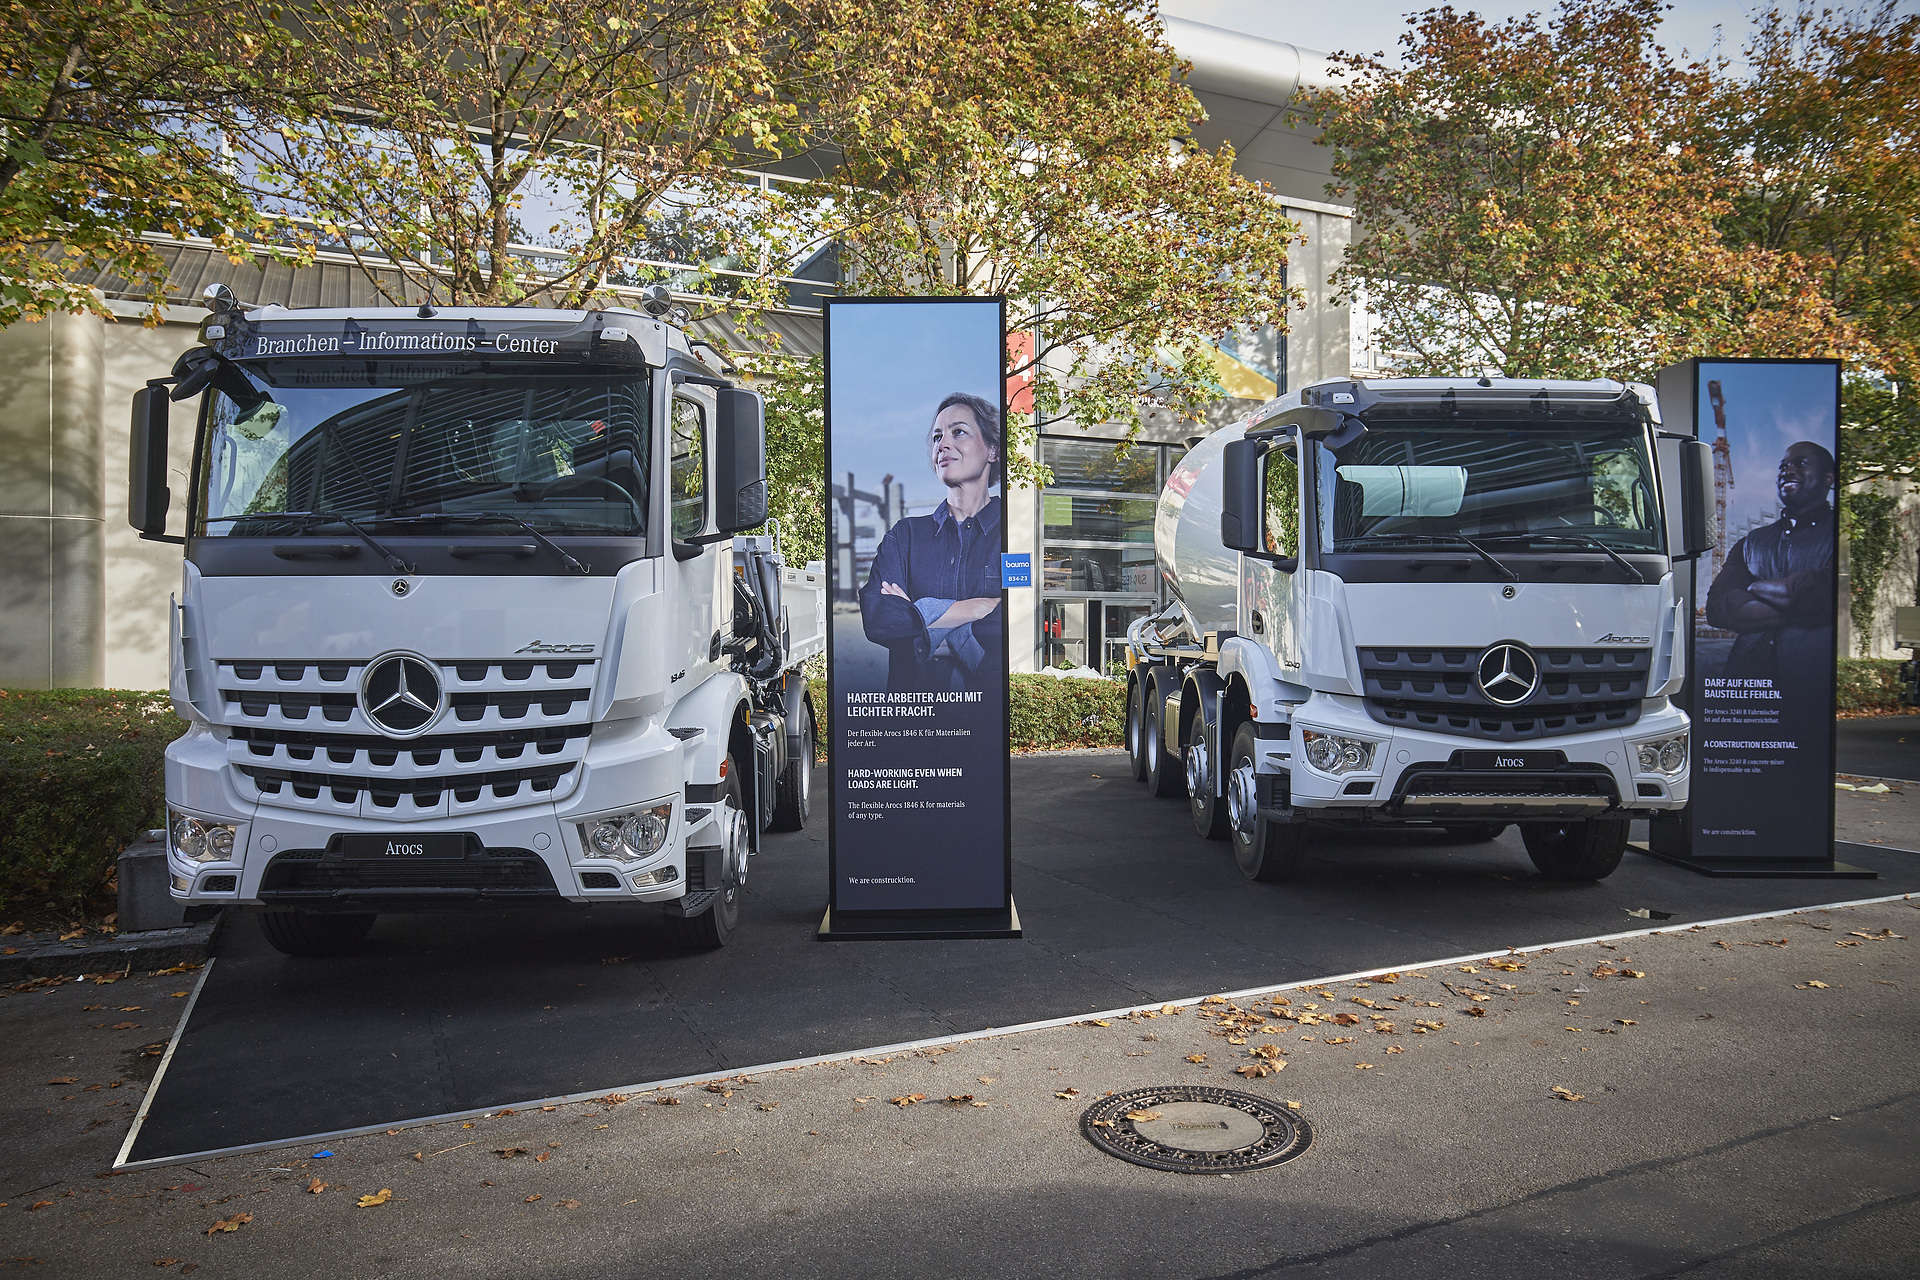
(164, 1262)
(1475, 1012)
(379, 1197)
(768, 1106)
(315, 1186)
(1626, 1022)
(1265, 1051)
(234, 1223)
(1196, 1057)
(1396, 1048)
(1255, 1070)
(666, 1102)
(1363, 1066)
(1567, 1095)
(1815, 982)
(906, 1100)
(569, 1204)
(1347, 1019)
(1339, 1040)
(1067, 1093)
(1096, 1022)
(125, 1026)
(38, 1204)
(959, 1099)
(543, 1157)
(724, 1090)
(64, 1080)
(530, 1199)
(1143, 1115)
(508, 1153)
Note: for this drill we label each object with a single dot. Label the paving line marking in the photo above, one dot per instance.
(153, 1085)
(908, 1046)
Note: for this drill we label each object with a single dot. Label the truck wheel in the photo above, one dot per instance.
(1587, 850)
(1209, 810)
(1165, 773)
(314, 933)
(1475, 832)
(1266, 851)
(1137, 729)
(713, 928)
(793, 795)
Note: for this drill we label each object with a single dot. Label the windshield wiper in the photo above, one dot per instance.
(1449, 539)
(493, 517)
(1576, 540)
(305, 518)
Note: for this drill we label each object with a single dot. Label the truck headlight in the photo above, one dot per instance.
(1663, 755)
(198, 840)
(1331, 753)
(628, 836)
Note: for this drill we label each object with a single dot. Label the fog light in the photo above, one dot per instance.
(627, 836)
(182, 884)
(1662, 755)
(659, 875)
(1333, 754)
(198, 840)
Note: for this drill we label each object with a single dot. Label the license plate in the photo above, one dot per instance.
(412, 846)
(1496, 761)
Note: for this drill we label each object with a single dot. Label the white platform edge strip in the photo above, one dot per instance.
(909, 1046)
(153, 1085)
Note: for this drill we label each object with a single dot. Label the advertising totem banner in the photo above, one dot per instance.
(919, 835)
(1760, 683)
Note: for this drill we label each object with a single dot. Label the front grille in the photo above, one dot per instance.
(513, 733)
(1435, 790)
(301, 874)
(1434, 689)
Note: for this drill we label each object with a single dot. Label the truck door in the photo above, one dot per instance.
(699, 570)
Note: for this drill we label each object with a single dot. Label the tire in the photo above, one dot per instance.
(1576, 851)
(793, 794)
(315, 933)
(1265, 851)
(1209, 810)
(1475, 832)
(1136, 728)
(714, 927)
(1166, 772)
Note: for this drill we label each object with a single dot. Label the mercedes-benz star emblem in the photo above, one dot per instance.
(1508, 674)
(401, 694)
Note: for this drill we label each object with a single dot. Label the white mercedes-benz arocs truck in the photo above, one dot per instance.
(465, 620)
(1441, 603)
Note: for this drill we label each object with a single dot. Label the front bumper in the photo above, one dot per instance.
(1418, 776)
(525, 854)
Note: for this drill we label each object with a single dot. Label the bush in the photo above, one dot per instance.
(82, 773)
(1868, 687)
(1045, 713)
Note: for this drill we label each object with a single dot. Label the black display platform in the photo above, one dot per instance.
(1763, 868)
(1121, 904)
(919, 927)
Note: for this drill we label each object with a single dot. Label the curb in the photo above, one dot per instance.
(160, 949)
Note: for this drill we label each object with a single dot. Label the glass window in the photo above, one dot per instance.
(1421, 481)
(1098, 465)
(687, 470)
(1121, 570)
(1283, 501)
(1070, 517)
(565, 452)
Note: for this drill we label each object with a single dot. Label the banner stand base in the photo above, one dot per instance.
(903, 928)
(1761, 868)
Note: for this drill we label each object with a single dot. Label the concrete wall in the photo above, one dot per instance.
(140, 576)
(51, 503)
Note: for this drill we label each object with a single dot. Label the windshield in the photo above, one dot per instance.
(1432, 483)
(565, 451)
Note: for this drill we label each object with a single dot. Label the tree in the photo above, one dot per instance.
(1545, 199)
(110, 111)
(477, 128)
(1041, 149)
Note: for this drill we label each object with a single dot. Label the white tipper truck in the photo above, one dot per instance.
(1424, 602)
(465, 621)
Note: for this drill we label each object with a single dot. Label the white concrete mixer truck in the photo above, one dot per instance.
(465, 621)
(1442, 603)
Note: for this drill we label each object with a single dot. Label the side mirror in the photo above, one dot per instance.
(1241, 505)
(740, 461)
(147, 494)
(1696, 503)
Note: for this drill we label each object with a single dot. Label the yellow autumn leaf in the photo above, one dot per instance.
(379, 1197)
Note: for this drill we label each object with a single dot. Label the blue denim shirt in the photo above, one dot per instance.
(937, 559)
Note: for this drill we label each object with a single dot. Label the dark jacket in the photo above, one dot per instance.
(936, 557)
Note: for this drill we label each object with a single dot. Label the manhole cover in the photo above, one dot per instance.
(1195, 1129)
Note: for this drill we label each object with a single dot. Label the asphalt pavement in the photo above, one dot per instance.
(1122, 904)
(1879, 747)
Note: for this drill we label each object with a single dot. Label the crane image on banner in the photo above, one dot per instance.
(1722, 475)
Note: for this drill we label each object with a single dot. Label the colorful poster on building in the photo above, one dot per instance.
(1761, 680)
(917, 641)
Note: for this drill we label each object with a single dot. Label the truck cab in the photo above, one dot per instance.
(1441, 603)
(467, 620)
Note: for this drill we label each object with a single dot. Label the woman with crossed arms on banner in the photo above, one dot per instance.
(932, 596)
